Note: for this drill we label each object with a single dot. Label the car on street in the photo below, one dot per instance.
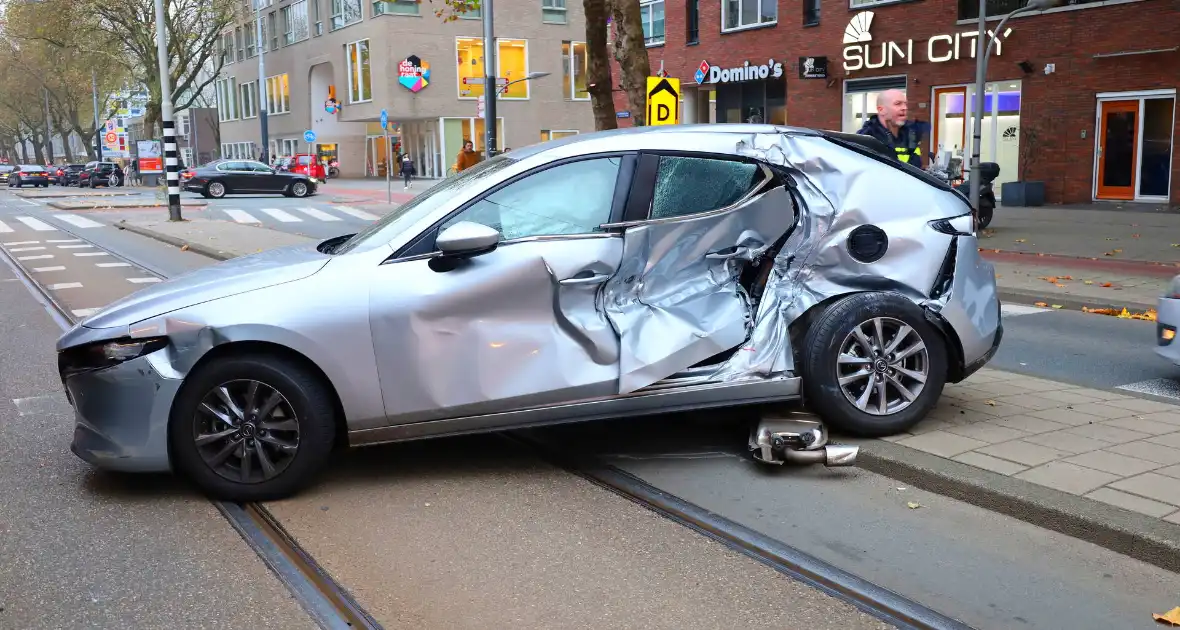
(96, 174)
(5, 171)
(303, 163)
(68, 175)
(642, 270)
(1167, 321)
(245, 177)
(29, 175)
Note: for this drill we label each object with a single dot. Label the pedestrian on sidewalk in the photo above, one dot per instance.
(408, 171)
(467, 157)
(133, 173)
(893, 128)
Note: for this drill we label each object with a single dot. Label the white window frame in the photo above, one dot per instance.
(290, 35)
(227, 99)
(362, 95)
(384, 7)
(186, 156)
(182, 124)
(759, 24)
(503, 97)
(1141, 96)
(646, 10)
(274, 95)
(569, 67)
(334, 13)
(554, 12)
(248, 99)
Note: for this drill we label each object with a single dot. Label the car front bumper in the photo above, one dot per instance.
(121, 416)
(1167, 323)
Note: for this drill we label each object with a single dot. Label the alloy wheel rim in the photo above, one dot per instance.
(883, 366)
(216, 189)
(246, 431)
(300, 189)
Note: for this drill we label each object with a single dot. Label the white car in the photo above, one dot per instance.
(1167, 320)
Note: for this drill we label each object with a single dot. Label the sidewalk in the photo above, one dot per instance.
(373, 190)
(1109, 235)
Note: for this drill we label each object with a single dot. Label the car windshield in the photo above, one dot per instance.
(6, 169)
(32, 169)
(436, 197)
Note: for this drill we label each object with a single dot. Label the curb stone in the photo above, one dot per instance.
(196, 248)
(1138, 536)
(1067, 302)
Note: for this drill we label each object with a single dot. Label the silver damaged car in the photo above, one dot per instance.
(635, 271)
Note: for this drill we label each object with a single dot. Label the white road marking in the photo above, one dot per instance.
(28, 201)
(241, 216)
(64, 240)
(360, 214)
(36, 224)
(85, 312)
(64, 285)
(119, 264)
(285, 217)
(74, 246)
(318, 214)
(142, 280)
(27, 249)
(1013, 310)
(78, 221)
(90, 254)
(41, 257)
(43, 269)
(23, 243)
(1165, 387)
(4, 229)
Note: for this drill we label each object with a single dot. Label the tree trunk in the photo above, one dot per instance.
(598, 78)
(24, 149)
(38, 153)
(631, 53)
(64, 132)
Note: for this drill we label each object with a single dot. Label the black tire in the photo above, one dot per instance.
(310, 400)
(299, 189)
(216, 190)
(986, 211)
(821, 349)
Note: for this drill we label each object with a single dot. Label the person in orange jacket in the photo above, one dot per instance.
(467, 157)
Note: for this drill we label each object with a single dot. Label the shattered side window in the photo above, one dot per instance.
(689, 185)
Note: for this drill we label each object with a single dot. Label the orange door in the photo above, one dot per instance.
(1118, 141)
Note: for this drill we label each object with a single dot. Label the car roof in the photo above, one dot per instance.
(661, 137)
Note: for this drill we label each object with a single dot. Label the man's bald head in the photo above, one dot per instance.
(891, 108)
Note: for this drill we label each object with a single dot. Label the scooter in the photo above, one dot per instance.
(988, 172)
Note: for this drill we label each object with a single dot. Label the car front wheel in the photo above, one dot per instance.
(299, 189)
(215, 189)
(252, 428)
(872, 365)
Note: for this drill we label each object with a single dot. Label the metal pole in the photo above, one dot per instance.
(48, 130)
(262, 122)
(388, 165)
(980, 86)
(490, 85)
(166, 118)
(192, 143)
(94, 95)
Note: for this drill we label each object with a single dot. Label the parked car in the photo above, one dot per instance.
(691, 266)
(29, 174)
(232, 177)
(5, 171)
(305, 164)
(68, 175)
(96, 174)
(1167, 321)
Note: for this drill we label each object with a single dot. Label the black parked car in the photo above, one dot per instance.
(227, 177)
(26, 174)
(96, 174)
(68, 175)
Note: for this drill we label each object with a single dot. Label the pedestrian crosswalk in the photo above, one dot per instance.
(293, 215)
(37, 225)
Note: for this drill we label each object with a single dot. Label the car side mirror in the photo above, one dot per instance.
(467, 239)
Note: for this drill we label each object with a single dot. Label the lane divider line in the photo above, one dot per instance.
(91, 254)
(14, 250)
(13, 243)
(44, 269)
(64, 285)
(142, 280)
(360, 214)
(41, 257)
(118, 264)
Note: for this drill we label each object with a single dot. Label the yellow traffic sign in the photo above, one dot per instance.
(663, 101)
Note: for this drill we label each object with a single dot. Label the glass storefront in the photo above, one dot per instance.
(762, 101)
(1133, 157)
(456, 131)
(860, 99)
(953, 119)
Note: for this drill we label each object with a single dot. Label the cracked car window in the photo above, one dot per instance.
(573, 198)
(687, 185)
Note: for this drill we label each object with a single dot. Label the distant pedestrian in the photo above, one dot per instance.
(133, 173)
(466, 158)
(408, 171)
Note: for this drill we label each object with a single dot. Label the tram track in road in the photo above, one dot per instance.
(332, 606)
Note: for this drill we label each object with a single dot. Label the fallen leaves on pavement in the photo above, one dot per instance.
(1106, 285)
(1172, 617)
(1021, 240)
(1041, 304)
(913, 505)
(1149, 315)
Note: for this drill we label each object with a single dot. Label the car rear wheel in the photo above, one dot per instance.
(299, 189)
(254, 428)
(872, 365)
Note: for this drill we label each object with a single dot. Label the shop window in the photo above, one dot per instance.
(811, 12)
(952, 119)
(686, 185)
(755, 102)
(860, 99)
(553, 12)
(295, 23)
(360, 81)
(396, 7)
(1155, 167)
(227, 99)
(512, 62)
(738, 14)
(652, 15)
(692, 21)
(345, 12)
(555, 134)
(575, 67)
(278, 95)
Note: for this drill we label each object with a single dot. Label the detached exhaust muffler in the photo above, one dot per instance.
(798, 437)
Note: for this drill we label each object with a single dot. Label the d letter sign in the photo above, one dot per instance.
(860, 52)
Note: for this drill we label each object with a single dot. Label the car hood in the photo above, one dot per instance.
(238, 275)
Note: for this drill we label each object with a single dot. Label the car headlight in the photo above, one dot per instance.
(313, 180)
(963, 225)
(105, 354)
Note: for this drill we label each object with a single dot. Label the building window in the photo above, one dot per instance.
(395, 7)
(250, 48)
(318, 29)
(692, 21)
(295, 23)
(472, 13)
(811, 12)
(186, 156)
(360, 85)
(227, 48)
(238, 44)
(345, 12)
(575, 68)
(278, 95)
(737, 14)
(182, 124)
(652, 14)
(289, 147)
(274, 31)
(227, 99)
(512, 59)
(547, 135)
(238, 151)
(248, 97)
(553, 12)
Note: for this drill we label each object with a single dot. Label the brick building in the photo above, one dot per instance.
(1081, 97)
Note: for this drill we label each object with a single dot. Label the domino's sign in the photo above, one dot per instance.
(746, 72)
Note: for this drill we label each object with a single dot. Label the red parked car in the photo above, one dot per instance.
(304, 164)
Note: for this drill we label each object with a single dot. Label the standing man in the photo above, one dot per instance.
(891, 127)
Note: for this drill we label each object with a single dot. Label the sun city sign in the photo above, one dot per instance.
(859, 52)
(714, 74)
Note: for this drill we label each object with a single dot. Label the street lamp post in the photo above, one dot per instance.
(495, 93)
(167, 119)
(981, 56)
(260, 47)
(489, 78)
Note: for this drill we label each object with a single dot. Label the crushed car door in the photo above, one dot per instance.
(676, 299)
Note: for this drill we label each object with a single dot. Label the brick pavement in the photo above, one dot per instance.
(1105, 446)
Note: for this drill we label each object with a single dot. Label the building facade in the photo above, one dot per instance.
(333, 65)
(1081, 97)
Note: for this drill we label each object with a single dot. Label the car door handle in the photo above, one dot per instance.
(723, 255)
(591, 279)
